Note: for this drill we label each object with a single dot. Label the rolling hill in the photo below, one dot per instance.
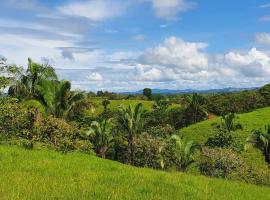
(43, 174)
(200, 132)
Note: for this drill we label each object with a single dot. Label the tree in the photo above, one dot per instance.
(265, 93)
(195, 105)
(130, 121)
(228, 122)
(26, 84)
(102, 133)
(184, 150)
(105, 104)
(162, 104)
(57, 97)
(261, 140)
(8, 73)
(148, 93)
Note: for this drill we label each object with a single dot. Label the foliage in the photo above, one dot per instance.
(219, 162)
(261, 139)
(162, 104)
(184, 150)
(237, 102)
(148, 93)
(101, 132)
(57, 132)
(15, 120)
(222, 138)
(130, 121)
(228, 122)
(195, 107)
(252, 175)
(147, 151)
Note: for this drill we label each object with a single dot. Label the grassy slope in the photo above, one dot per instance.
(43, 174)
(200, 132)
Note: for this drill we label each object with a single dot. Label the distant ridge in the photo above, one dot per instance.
(189, 91)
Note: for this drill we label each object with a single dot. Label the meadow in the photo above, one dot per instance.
(44, 174)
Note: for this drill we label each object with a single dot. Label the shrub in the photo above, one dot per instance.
(57, 132)
(221, 138)
(15, 119)
(251, 175)
(161, 131)
(148, 154)
(219, 162)
(84, 146)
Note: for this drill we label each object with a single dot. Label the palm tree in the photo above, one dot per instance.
(25, 86)
(261, 140)
(57, 97)
(228, 122)
(130, 120)
(195, 102)
(102, 133)
(184, 150)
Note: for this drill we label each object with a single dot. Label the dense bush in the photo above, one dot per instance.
(221, 138)
(238, 102)
(148, 151)
(161, 130)
(251, 175)
(15, 120)
(57, 132)
(219, 162)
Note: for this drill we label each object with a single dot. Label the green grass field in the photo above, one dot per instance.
(200, 132)
(44, 174)
(115, 104)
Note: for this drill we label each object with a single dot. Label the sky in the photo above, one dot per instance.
(127, 45)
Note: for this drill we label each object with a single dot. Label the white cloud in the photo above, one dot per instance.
(94, 10)
(170, 9)
(263, 38)
(178, 55)
(94, 77)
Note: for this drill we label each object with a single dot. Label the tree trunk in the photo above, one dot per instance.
(102, 152)
(132, 147)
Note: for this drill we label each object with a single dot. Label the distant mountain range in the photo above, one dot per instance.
(189, 91)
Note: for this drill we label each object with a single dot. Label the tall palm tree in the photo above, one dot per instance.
(261, 140)
(195, 102)
(25, 86)
(102, 133)
(130, 120)
(184, 150)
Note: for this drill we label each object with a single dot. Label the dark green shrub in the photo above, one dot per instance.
(251, 175)
(57, 132)
(221, 138)
(148, 153)
(219, 162)
(15, 119)
(161, 131)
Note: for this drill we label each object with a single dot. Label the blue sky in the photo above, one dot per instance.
(126, 45)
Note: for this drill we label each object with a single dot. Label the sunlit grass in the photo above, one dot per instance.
(200, 132)
(44, 174)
